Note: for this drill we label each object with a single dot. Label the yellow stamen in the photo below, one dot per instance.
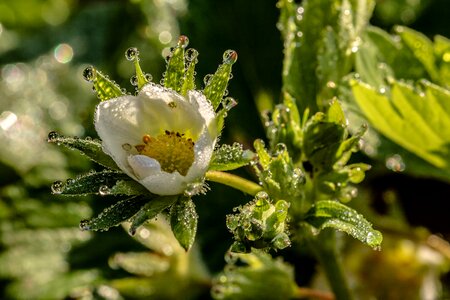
(172, 150)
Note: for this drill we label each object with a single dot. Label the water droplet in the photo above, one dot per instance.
(52, 135)
(280, 148)
(228, 103)
(331, 84)
(57, 187)
(89, 74)
(374, 239)
(395, 163)
(382, 90)
(103, 190)
(230, 56)
(262, 195)
(148, 77)
(191, 54)
(134, 80)
(70, 181)
(183, 41)
(85, 225)
(131, 54)
(231, 257)
(207, 79)
(126, 147)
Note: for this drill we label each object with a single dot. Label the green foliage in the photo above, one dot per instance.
(230, 157)
(324, 214)
(320, 38)
(216, 85)
(183, 220)
(89, 147)
(259, 224)
(415, 119)
(262, 277)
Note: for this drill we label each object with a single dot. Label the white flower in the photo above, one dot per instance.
(159, 138)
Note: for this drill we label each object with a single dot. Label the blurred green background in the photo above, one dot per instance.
(45, 45)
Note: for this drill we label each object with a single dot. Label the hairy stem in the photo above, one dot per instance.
(234, 181)
(324, 247)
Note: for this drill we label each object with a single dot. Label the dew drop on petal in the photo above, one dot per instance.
(126, 147)
(57, 187)
(89, 74)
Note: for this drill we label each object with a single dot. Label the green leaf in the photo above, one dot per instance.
(421, 47)
(183, 220)
(231, 157)
(254, 275)
(335, 215)
(89, 147)
(442, 52)
(91, 183)
(128, 187)
(174, 75)
(150, 210)
(115, 214)
(419, 121)
(104, 87)
(216, 85)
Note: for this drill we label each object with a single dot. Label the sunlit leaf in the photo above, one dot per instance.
(231, 157)
(336, 215)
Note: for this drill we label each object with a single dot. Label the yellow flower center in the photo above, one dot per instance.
(172, 150)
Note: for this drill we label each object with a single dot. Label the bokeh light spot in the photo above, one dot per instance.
(63, 53)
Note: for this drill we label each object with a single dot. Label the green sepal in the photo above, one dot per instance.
(173, 78)
(89, 147)
(128, 188)
(216, 85)
(255, 275)
(183, 220)
(104, 87)
(228, 157)
(115, 214)
(189, 77)
(150, 210)
(332, 214)
(90, 183)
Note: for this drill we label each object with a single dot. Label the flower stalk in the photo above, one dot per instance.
(234, 181)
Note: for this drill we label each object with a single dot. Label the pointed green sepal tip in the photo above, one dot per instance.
(104, 87)
(191, 60)
(175, 72)
(216, 85)
(140, 79)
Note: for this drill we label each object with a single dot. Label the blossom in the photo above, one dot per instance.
(159, 138)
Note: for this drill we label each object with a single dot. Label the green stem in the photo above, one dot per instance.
(324, 247)
(234, 181)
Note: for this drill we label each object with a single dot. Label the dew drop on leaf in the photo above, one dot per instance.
(183, 41)
(131, 53)
(89, 74)
(230, 56)
(134, 80)
(52, 135)
(103, 190)
(57, 187)
(191, 54)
